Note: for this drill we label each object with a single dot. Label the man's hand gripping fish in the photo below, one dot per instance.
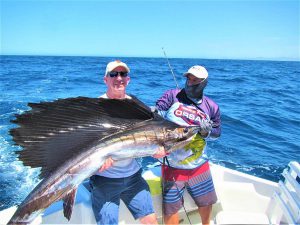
(71, 138)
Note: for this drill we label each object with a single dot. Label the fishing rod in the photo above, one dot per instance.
(165, 159)
(170, 68)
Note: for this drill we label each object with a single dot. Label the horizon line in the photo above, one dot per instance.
(283, 59)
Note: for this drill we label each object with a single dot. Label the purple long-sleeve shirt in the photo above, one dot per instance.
(176, 107)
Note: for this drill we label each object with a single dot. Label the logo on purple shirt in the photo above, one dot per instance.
(190, 115)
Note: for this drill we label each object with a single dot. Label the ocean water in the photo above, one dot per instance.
(259, 102)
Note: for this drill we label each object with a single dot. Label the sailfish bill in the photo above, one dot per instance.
(71, 138)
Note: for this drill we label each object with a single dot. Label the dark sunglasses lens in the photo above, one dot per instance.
(115, 74)
(123, 74)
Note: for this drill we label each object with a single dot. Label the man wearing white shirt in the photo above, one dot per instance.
(122, 179)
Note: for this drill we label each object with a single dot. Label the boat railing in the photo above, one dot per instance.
(288, 195)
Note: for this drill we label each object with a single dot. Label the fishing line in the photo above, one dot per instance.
(170, 68)
(163, 184)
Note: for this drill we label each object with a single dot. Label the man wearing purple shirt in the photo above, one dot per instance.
(188, 168)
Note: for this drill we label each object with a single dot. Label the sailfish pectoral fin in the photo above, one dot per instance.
(68, 204)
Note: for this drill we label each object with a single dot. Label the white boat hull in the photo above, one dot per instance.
(238, 194)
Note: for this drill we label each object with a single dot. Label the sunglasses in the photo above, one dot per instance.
(115, 74)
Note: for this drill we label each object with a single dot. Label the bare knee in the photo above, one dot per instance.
(149, 219)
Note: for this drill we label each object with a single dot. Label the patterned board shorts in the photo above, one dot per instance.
(198, 183)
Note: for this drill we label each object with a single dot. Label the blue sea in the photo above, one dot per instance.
(259, 102)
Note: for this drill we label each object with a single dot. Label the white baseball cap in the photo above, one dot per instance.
(114, 64)
(197, 71)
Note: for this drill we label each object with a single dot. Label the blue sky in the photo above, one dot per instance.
(188, 29)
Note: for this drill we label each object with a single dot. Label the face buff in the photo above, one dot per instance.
(195, 92)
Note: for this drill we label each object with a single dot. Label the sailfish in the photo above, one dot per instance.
(69, 139)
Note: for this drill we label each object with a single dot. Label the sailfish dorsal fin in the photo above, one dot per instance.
(53, 132)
